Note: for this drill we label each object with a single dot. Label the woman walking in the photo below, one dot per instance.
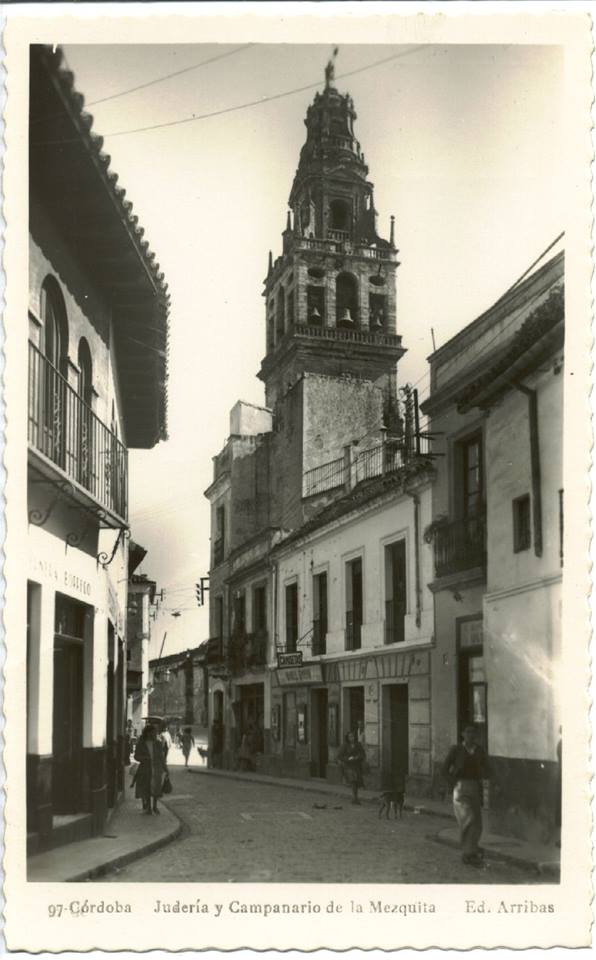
(188, 741)
(351, 756)
(152, 769)
(465, 767)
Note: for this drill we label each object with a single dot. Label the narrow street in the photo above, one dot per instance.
(251, 832)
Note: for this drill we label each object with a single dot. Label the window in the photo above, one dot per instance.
(291, 617)
(376, 310)
(340, 219)
(522, 536)
(281, 313)
(346, 300)
(220, 530)
(218, 617)
(239, 628)
(354, 604)
(53, 312)
(395, 591)
(259, 609)
(315, 305)
(472, 479)
(290, 307)
(319, 625)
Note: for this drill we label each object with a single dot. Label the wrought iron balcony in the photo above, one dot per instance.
(353, 632)
(63, 428)
(460, 544)
(394, 621)
(319, 638)
(247, 650)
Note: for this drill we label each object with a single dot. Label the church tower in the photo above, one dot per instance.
(330, 296)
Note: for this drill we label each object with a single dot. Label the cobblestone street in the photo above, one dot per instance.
(252, 832)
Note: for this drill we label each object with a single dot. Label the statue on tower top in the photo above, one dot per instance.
(330, 69)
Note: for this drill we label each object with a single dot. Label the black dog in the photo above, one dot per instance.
(391, 800)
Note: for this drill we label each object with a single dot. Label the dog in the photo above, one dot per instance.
(391, 800)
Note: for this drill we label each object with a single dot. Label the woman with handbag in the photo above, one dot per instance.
(152, 771)
(351, 757)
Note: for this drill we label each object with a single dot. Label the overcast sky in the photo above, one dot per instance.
(464, 145)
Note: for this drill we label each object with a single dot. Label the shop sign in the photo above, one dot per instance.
(289, 659)
(64, 579)
(378, 667)
(295, 676)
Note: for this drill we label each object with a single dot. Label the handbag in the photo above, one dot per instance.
(167, 784)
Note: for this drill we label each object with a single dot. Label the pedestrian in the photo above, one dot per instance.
(152, 769)
(351, 758)
(188, 741)
(244, 752)
(166, 738)
(465, 767)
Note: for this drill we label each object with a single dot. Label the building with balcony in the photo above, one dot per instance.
(297, 608)
(496, 408)
(97, 328)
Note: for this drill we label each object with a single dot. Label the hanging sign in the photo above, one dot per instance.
(289, 659)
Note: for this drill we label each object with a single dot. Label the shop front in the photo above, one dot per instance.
(75, 692)
(383, 698)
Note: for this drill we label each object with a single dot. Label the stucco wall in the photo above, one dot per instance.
(364, 536)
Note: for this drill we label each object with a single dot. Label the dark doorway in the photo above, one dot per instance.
(395, 729)
(252, 713)
(67, 726)
(355, 711)
(67, 720)
(319, 736)
(110, 745)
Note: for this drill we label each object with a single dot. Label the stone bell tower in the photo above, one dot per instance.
(330, 296)
(330, 366)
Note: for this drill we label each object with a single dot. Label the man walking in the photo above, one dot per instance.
(465, 767)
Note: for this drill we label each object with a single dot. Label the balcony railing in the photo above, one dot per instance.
(215, 650)
(65, 429)
(394, 621)
(247, 650)
(353, 632)
(319, 638)
(460, 545)
(340, 235)
(325, 477)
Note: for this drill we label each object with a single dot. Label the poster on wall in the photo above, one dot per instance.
(332, 725)
(301, 723)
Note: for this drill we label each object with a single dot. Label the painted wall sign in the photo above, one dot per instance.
(289, 659)
(376, 667)
(294, 676)
(62, 578)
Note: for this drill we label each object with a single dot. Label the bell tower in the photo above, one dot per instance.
(330, 295)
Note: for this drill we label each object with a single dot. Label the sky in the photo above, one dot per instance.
(464, 145)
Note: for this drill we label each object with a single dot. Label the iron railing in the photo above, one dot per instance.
(353, 632)
(460, 545)
(319, 637)
(65, 429)
(394, 621)
(325, 477)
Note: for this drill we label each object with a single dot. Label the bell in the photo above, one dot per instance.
(346, 316)
(315, 315)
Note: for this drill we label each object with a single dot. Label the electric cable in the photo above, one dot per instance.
(237, 107)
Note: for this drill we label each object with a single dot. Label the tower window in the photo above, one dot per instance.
(376, 308)
(315, 305)
(281, 312)
(290, 307)
(340, 215)
(346, 300)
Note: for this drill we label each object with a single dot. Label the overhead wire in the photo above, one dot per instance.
(240, 106)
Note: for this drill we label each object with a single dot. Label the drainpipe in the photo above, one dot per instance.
(534, 465)
(416, 500)
(274, 631)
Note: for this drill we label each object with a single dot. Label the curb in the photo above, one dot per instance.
(121, 861)
(333, 790)
(531, 866)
